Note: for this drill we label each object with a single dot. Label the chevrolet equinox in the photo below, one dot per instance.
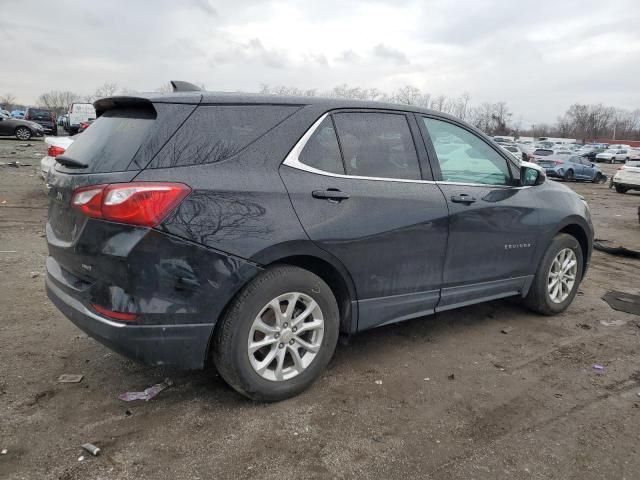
(253, 230)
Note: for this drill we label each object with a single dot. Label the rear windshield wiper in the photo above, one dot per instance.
(70, 162)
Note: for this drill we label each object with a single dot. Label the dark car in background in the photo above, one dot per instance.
(21, 129)
(252, 230)
(44, 117)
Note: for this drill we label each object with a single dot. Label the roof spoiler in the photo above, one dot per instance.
(180, 86)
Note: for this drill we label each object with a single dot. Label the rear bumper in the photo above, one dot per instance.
(184, 346)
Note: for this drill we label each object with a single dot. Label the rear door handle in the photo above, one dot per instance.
(463, 198)
(330, 194)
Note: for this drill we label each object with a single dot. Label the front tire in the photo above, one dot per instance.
(278, 334)
(23, 133)
(557, 278)
(620, 189)
(613, 160)
(597, 178)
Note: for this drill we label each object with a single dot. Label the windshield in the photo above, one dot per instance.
(542, 152)
(39, 114)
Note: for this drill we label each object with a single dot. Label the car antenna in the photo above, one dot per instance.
(180, 86)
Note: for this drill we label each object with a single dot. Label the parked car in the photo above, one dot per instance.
(85, 125)
(56, 146)
(17, 114)
(253, 229)
(21, 129)
(591, 151)
(613, 155)
(44, 117)
(62, 119)
(516, 152)
(78, 113)
(542, 153)
(572, 167)
(5, 113)
(628, 176)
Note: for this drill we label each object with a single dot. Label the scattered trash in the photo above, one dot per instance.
(80, 458)
(295, 434)
(148, 393)
(506, 330)
(427, 379)
(557, 395)
(583, 326)
(378, 382)
(25, 145)
(91, 448)
(600, 368)
(128, 413)
(35, 274)
(3, 202)
(623, 302)
(452, 376)
(4, 451)
(14, 164)
(70, 378)
(625, 252)
(499, 366)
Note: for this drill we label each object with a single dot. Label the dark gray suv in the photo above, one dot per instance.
(252, 230)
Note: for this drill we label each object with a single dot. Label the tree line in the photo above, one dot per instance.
(580, 121)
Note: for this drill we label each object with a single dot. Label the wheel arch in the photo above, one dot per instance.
(578, 232)
(305, 254)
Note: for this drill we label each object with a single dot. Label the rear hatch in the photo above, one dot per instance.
(120, 143)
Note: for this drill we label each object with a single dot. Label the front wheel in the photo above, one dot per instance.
(278, 335)
(613, 160)
(23, 133)
(597, 178)
(557, 278)
(620, 189)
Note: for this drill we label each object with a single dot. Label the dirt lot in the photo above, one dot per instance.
(526, 404)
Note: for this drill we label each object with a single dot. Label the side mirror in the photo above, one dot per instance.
(530, 176)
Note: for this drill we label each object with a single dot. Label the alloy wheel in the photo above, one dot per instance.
(285, 336)
(23, 133)
(562, 275)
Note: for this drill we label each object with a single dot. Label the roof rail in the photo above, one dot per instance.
(180, 86)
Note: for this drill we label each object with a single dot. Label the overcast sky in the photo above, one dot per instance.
(539, 56)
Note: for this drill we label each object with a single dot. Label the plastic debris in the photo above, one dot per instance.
(452, 376)
(148, 393)
(598, 367)
(70, 378)
(378, 382)
(91, 448)
(81, 458)
(35, 274)
(506, 330)
(4, 451)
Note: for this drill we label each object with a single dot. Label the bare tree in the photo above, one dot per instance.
(106, 90)
(8, 101)
(58, 101)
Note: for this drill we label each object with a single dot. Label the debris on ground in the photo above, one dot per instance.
(35, 274)
(452, 376)
(70, 378)
(623, 302)
(620, 250)
(583, 326)
(14, 164)
(148, 393)
(91, 448)
(378, 382)
(599, 368)
(499, 366)
(80, 458)
(4, 451)
(506, 330)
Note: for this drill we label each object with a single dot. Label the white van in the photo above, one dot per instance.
(78, 113)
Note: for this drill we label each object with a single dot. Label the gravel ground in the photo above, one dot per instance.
(442, 397)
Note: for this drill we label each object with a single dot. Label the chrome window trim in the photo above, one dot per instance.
(292, 160)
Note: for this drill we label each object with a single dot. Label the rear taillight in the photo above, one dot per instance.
(54, 151)
(558, 162)
(121, 316)
(137, 203)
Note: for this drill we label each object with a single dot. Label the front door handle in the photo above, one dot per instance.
(331, 194)
(463, 198)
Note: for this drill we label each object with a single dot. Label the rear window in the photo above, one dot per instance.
(113, 139)
(542, 152)
(217, 132)
(39, 114)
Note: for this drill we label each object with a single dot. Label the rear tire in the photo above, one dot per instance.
(613, 160)
(252, 312)
(539, 298)
(23, 133)
(620, 189)
(597, 178)
(568, 176)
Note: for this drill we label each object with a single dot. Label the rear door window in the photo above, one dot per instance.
(377, 145)
(214, 133)
(322, 150)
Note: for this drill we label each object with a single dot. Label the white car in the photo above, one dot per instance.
(613, 155)
(55, 146)
(628, 176)
(515, 151)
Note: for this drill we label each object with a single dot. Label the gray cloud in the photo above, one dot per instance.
(383, 52)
